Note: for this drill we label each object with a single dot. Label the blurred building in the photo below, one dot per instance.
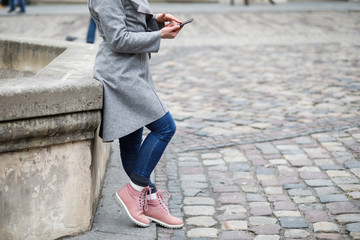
(177, 1)
(85, 1)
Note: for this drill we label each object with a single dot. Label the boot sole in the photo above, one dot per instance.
(122, 204)
(164, 224)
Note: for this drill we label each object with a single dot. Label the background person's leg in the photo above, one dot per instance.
(90, 38)
(22, 6)
(12, 5)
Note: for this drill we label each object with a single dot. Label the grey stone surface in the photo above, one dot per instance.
(25, 57)
(353, 227)
(56, 82)
(319, 183)
(239, 167)
(299, 192)
(110, 220)
(296, 233)
(255, 198)
(345, 180)
(203, 233)
(258, 91)
(235, 235)
(293, 222)
(294, 186)
(48, 121)
(331, 167)
(333, 198)
(202, 221)
(348, 218)
(95, 235)
(43, 182)
(264, 170)
(352, 164)
(60, 104)
(199, 201)
(255, 221)
(47, 131)
(327, 190)
(325, 227)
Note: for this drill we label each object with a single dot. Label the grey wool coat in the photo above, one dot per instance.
(130, 33)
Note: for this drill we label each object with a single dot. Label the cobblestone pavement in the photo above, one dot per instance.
(267, 109)
(267, 106)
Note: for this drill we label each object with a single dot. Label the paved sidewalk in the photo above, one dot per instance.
(267, 106)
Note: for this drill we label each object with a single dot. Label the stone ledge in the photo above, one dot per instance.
(52, 162)
(45, 131)
(65, 85)
(27, 56)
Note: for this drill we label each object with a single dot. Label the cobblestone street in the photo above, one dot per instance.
(267, 145)
(267, 106)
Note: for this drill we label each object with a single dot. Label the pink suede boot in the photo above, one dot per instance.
(157, 211)
(134, 202)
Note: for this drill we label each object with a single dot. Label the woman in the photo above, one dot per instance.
(131, 32)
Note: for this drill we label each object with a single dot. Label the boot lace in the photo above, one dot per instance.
(142, 197)
(163, 197)
(143, 201)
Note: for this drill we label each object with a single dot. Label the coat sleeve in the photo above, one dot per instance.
(112, 16)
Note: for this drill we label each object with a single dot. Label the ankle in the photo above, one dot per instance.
(136, 187)
(139, 182)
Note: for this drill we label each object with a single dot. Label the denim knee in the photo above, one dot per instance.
(168, 132)
(163, 128)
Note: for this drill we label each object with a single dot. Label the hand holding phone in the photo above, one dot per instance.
(186, 22)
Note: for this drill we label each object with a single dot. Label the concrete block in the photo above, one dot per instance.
(48, 192)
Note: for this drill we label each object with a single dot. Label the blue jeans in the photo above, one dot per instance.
(21, 3)
(140, 158)
(90, 38)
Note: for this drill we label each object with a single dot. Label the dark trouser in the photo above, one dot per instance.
(90, 38)
(139, 159)
(21, 3)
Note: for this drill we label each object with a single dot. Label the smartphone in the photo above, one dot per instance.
(186, 22)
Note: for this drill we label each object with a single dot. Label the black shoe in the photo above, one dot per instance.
(11, 10)
(20, 12)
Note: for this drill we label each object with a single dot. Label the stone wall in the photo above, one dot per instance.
(23, 57)
(52, 163)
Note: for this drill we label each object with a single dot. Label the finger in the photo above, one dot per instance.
(172, 18)
(175, 28)
(177, 31)
(162, 17)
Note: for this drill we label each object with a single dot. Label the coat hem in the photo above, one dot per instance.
(109, 140)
